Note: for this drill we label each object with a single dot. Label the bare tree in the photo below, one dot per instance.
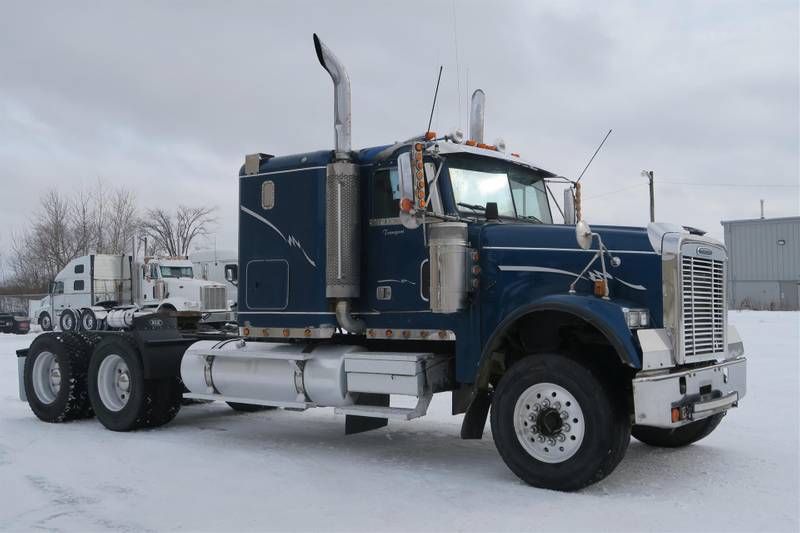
(173, 235)
(65, 227)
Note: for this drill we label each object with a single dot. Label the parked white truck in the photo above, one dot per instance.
(219, 266)
(91, 286)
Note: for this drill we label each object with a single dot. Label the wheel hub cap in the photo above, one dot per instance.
(114, 382)
(46, 377)
(549, 422)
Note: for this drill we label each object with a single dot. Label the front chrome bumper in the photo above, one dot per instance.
(695, 393)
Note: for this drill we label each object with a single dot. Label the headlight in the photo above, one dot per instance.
(636, 318)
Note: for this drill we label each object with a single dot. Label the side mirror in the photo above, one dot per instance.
(51, 287)
(232, 274)
(410, 177)
(583, 234)
(569, 207)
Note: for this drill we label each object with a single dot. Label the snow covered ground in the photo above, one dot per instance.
(214, 469)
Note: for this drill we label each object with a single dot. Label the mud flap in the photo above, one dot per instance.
(475, 418)
(359, 424)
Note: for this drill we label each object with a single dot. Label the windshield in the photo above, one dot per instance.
(176, 272)
(518, 191)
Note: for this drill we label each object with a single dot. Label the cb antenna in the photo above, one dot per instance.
(435, 95)
(593, 155)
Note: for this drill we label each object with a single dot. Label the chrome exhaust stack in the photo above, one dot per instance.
(476, 115)
(341, 98)
(343, 201)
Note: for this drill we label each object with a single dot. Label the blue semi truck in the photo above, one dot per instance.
(426, 266)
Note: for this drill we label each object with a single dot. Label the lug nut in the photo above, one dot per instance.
(564, 415)
(566, 428)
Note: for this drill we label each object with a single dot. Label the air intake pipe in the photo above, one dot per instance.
(343, 202)
(476, 115)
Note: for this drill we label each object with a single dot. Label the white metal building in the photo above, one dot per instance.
(764, 267)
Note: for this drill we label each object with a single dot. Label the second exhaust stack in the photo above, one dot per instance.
(476, 115)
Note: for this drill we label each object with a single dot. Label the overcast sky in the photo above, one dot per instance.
(166, 98)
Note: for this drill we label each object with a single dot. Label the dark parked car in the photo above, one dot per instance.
(14, 323)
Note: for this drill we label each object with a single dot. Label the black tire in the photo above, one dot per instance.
(249, 408)
(68, 321)
(677, 437)
(71, 401)
(606, 430)
(46, 322)
(88, 320)
(147, 402)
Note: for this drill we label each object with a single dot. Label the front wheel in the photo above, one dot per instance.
(46, 322)
(556, 425)
(677, 437)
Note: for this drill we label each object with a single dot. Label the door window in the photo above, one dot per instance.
(385, 194)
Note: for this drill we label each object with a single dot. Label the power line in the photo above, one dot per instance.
(690, 184)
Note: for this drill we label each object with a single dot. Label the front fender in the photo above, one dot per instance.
(605, 315)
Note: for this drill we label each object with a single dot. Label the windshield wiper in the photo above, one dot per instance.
(530, 217)
(472, 206)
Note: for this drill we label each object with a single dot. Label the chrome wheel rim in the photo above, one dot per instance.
(114, 382)
(46, 377)
(45, 322)
(549, 423)
(68, 321)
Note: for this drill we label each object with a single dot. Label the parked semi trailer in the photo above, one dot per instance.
(90, 287)
(426, 266)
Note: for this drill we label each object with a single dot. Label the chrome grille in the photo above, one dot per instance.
(703, 305)
(212, 298)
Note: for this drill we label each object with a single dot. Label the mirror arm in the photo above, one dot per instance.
(433, 182)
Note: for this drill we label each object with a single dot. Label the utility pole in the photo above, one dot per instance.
(649, 175)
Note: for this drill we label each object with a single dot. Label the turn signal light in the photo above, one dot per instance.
(676, 415)
(431, 135)
(406, 205)
(471, 143)
(245, 331)
(600, 287)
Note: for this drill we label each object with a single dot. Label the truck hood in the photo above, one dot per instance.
(189, 283)
(543, 259)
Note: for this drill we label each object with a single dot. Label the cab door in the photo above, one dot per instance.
(398, 276)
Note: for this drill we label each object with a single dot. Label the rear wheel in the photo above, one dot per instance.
(88, 320)
(55, 377)
(249, 408)
(677, 437)
(46, 322)
(67, 321)
(121, 397)
(556, 425)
